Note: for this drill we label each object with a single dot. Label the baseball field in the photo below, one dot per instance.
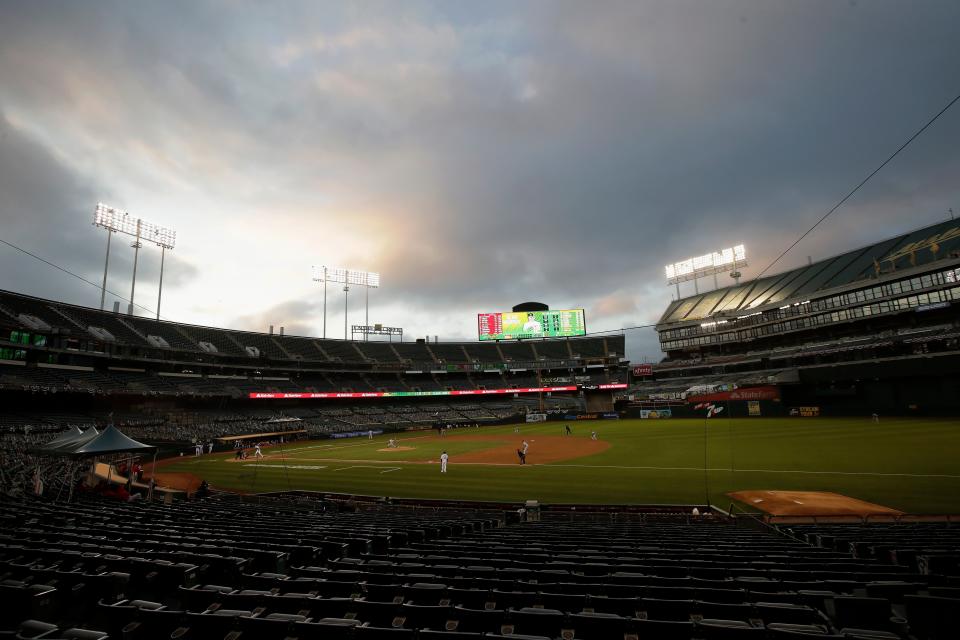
(910, 465)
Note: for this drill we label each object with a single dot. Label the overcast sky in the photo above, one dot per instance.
(476, 154)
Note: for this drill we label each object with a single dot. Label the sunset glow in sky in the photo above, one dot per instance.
(476, 155)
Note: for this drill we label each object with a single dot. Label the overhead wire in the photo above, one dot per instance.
(826, 215)
(799, 239)
(859, 185)
(77, 276)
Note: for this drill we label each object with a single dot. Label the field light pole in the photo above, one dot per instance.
(163, 255)
(136, 254)
(347, 277)
(106, 264)
(324, 279)
(117, 221)
(369, 280)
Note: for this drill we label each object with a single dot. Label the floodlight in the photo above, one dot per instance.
(729, 259)
(118, 221)
(347, 277)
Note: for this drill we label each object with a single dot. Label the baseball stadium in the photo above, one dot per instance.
(789, 468)
(666, 345)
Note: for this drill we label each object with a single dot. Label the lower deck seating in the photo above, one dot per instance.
(225, 567)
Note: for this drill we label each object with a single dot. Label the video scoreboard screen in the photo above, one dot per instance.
(513, 325)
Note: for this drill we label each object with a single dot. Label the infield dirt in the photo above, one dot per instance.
(543, 449)
(809, 503)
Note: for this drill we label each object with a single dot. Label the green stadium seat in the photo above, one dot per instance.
(480, 620)
(426, 593)
(597, 626)
(428, 616)
(862, 613)
(663, 629)
(36, 629)
(430, 634)
(787, 631)
(658, 609)
(326, 629)
(932, 617)
(537, 622)
(789, 613)
(626, 607)
(383, 633)
(273, 626)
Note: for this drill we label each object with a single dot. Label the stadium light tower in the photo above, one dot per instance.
(117, 221)
(320, 275)
(729, 259)
(347, 277)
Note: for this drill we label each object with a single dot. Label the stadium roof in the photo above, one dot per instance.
(879, 260)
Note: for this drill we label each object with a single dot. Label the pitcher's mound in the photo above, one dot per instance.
(809, 503)
(397, 449)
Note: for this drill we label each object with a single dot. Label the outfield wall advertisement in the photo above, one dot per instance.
(563, 323)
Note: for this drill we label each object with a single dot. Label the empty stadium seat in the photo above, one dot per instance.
(933, 617)
(862, 613)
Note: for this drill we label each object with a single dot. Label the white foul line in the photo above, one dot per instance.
(285, 466)
(378, 464)
(701, 469)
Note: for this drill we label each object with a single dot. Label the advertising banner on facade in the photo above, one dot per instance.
(749, 393)
(642, 370)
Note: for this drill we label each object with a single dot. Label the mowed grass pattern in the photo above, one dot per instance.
(908, 464)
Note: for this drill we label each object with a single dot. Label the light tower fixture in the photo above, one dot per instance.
(346, 277)
(118, 221)
(729, 259)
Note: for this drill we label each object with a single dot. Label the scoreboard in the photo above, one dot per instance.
(531, 324)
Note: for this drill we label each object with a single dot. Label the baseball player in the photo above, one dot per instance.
(526, 446)
(593, 435)
(257, 453)
(443, 462)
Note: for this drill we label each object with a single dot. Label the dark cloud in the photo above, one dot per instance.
(45, 209)
(480, 155)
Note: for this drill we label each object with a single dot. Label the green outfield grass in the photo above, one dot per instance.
(911, 465)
